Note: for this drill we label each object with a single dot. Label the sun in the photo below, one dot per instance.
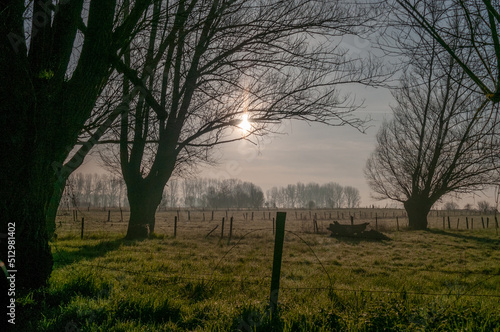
(244, 125)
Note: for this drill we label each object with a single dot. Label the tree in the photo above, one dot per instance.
(438, 141)
(55, 59)
(450, 206)
(484, 206)
(352, 197)
(475, 48)
(335, 194)
(208, 69)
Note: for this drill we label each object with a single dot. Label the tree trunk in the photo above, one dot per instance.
(24, 212)
(417, 210)
(144, 201)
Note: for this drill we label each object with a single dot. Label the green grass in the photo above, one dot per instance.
(418, 281)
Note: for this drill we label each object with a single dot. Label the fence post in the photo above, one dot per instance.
(83, 222)
(472, 223)
(458, 222)
(109, 215)
(230, 231)
(222, 229)
(203, 216)
(467, 222)
(352, 220)
(397, 224)
(449, 223)
(175, 226)
(376, 222)
(189, 215)
(252, 215)
(273, 225)
(487, 222)
(496, 224)
(212, 215)
(121, 215)
(278, 253)
(482, 221)
(443, 223)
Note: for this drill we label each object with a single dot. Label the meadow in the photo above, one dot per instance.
(436, 280)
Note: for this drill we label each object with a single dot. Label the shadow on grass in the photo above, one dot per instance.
(64, 257)
(466, 237)
(370, 236)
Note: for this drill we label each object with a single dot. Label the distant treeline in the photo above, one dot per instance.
(313, 195)
(105, 190)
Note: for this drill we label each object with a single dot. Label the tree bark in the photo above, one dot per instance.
(144, 200)
(25, 212)
(417, 210)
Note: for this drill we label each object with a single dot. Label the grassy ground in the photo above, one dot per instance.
(429, 280)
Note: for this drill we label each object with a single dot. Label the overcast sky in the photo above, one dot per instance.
(309, 152)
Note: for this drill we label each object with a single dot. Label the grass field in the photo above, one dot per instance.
(419, 281)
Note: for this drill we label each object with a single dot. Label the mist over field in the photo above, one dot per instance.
(250, 165)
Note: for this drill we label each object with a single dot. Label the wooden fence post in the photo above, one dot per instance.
(467, 222)
(109, 215)
(376, 222)
(189, 215)
(222, 229)
(230, 231)
(212, 215)
(443, 224)
(278, 254)
(397, 224)
(83, 222)
(458, 222)
(449, 223)
(175, 226)
(487, 222)
(472, 223)
(121, 215)
(496, 224)
(482, 221)
(352, 220)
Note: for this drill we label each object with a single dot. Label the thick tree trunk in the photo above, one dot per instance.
(417, 210)
(144, 202)
(24, 212)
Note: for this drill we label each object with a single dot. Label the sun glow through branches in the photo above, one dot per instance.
(244, 125)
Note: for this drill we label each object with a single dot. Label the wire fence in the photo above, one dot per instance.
(108, 224)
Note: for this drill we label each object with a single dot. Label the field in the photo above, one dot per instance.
(437, 280)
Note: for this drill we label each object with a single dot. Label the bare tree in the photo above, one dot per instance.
(335, 193)
(450, 206)
(475, 47)
(352, 197)
(438, 141)
(484, 206)
(214, 72)
(55, 59)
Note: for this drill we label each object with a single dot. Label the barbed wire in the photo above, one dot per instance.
(255, 279)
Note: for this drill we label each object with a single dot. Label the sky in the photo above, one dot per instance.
(312, 152)
(309, 152)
